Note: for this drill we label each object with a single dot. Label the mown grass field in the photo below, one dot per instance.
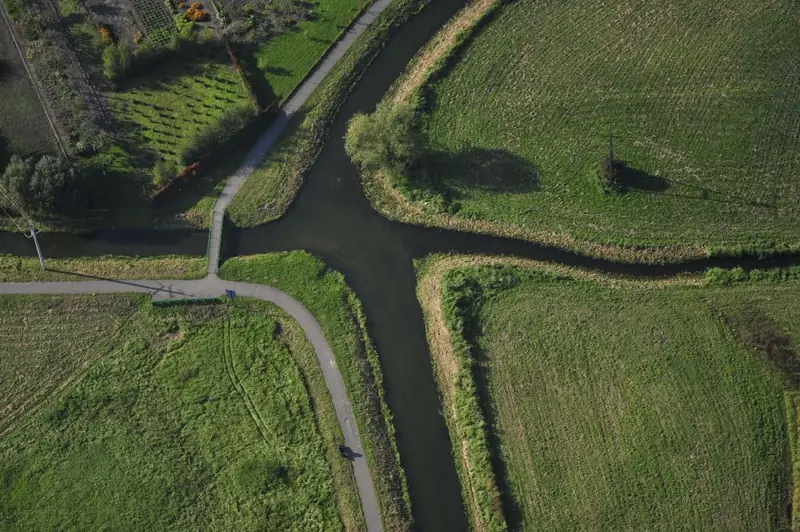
(702, 98)
(202, 416)
(23, 126)
(632, 407)
(326, 295)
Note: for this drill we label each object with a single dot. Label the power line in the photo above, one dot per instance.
(31, 226)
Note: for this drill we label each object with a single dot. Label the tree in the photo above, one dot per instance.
(388, 140)
(47, 185)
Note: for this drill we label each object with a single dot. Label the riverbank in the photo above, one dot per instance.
(28, 269)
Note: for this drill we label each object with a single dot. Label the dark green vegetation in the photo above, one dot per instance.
(179, 417)
(271, 188)
(702, 99)
(339, 313)
(628, 406)
(23, 125)
(140, 101)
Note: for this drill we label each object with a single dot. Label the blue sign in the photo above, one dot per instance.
(230, 293)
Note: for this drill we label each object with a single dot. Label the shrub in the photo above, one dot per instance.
(164, 172)
(196, 5)
(106, 34)
(388, 140)
(117, 61)
(214, 135)
(609, 177)
(49, 185)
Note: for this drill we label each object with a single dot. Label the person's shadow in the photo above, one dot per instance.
(348, 453)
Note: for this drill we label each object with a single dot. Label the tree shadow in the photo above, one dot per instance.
(485, 169)
(265, 95)
(636, 179)
(277, 71)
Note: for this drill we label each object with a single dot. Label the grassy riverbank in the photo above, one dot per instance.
(339, 313)
(121, 414)
(268, 192)
(654, 405)
(19, 269)
(710, 166)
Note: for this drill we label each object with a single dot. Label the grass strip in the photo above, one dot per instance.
(27, 269)
(327, 296)
(268, 192)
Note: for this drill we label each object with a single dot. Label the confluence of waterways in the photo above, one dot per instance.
(332, 219)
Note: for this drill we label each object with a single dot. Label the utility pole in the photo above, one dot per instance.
(610, 146)
(34, 232)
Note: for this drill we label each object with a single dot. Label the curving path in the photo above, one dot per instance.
(265, 142)
(213, 286)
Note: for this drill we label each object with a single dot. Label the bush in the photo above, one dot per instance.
(164, 172)
(388, 140)
(106, 34)
(215, 134)
(49, 185)
(609, 177)
(117, 61)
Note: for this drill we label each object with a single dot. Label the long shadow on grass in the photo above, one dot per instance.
(485, 169)
(265, 95)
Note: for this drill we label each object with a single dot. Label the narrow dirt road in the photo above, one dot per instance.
(213, 286)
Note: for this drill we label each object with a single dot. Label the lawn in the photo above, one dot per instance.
(704, 104)
(193, 416)
(626, 406)
(286, 59)
(339, 313)
(23, 126)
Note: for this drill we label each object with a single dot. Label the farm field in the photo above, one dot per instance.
(704, 104)
(188, 416)
(629, 406)
(23, 126)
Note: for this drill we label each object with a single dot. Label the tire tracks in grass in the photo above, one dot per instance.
(269, 437)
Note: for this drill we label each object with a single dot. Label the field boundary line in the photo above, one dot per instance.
(34, 81)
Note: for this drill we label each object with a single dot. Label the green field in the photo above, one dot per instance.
(631, 407)
(703, 98)
(339, 313)
(287, 58)
(182, 417)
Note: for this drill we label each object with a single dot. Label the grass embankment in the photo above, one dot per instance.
(705, 123)
(614, 404)
(191, 416)
(16, 269)
(268, 192)
(339, 313)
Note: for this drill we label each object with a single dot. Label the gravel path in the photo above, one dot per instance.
(213, 286)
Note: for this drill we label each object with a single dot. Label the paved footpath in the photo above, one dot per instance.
(213, 286)
(299, 97)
